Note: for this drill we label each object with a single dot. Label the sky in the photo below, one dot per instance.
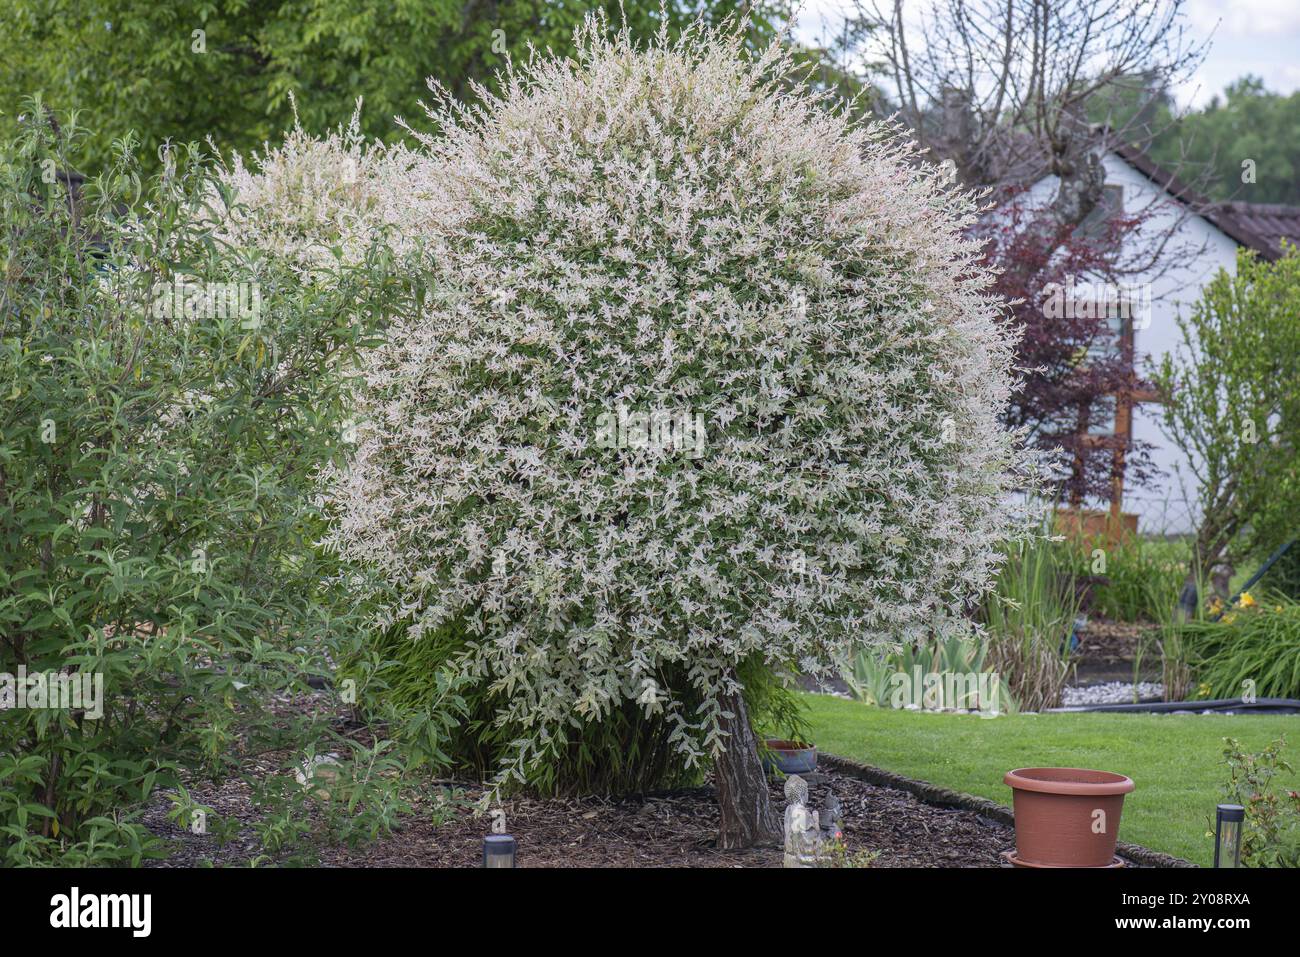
(1247, 36)
(1252, 36)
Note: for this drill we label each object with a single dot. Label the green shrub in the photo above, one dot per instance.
(835, 853)
(1271, 835)
(626, 752)
(1254, 646)
(1231, 405)
(888, 679)
(1284, 575)
(169, 402)
(1142, 577)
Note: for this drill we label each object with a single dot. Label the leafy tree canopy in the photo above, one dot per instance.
(1247, 123)
(231, 70)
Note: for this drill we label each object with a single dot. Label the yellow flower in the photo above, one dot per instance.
(1245, 601)
(1229, 619)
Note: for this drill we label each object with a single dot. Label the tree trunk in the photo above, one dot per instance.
(748, 819)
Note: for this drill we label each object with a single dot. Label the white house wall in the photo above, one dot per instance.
(1195, 252)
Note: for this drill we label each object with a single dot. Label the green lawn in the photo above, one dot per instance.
(1176, 761)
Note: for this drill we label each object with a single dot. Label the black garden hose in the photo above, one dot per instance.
(1224, 705)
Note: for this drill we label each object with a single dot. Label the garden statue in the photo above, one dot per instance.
(831, 817)
(802, 832)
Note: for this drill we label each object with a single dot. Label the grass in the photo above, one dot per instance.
(1176, 761)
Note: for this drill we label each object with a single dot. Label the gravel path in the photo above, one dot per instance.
(1112, 692)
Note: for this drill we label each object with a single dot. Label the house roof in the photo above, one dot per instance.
(1258, 226)
(1261, 226)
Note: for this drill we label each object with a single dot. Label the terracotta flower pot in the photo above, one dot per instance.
(1067, 817)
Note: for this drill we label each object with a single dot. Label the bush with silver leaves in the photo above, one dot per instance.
(623, 248)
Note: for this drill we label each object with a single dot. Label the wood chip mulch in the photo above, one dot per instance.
(676, 829)
(1115, 642)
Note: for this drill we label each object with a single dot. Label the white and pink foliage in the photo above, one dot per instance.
(673, 228)
(316, 201)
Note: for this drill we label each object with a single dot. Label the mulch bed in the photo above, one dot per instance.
(904, 823)
(1113, 642)
(676, 829)
(1108, 651)
(679, 830)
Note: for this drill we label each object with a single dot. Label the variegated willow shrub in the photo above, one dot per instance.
(170, 399)
(705, 375)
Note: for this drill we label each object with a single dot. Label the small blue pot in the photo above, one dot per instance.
(789, 757)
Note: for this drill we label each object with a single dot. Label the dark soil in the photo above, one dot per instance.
(673, 829)
(668, 830)
(1108, 650)
(676, 829)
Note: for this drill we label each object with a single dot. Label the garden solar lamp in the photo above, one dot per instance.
(499, 851)
(1227, 835)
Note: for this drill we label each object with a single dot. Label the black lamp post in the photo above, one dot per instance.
(499, 851)
(1228, 819)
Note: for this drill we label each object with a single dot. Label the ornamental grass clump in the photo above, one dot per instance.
(705, 374)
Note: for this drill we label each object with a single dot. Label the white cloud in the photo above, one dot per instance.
(1245, 18)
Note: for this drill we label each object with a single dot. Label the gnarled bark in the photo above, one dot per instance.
(747, 816)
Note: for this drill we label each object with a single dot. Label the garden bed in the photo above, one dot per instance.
(676, 829)
(1108, 649)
